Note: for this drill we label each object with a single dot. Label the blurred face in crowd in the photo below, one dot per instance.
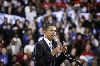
(14, 58)
(87, 30)
(29, 31)
(20, 9)
(10, 9)
(73, 29)
(88, 47)
(50, 32)
(31, 42)
(13, 41)
(41, 31)
(5, 20)
(8, 26)
(79, 37)
(50, 19)
(82, 20)
(26, 22)
(80, 24)
(46, 0)
(48, 11)
(58, 25)
(21, 25)
(92, 37)
(17, 21)
(4, 51)
(31, 9)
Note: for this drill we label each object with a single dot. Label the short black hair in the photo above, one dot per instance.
(46, 25)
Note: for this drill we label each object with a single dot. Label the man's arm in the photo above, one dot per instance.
(39, 55)
(60, 59)
(42, 55)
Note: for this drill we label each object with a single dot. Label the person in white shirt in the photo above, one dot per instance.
(29, 48)
(80, 28)
(15, 45)
(30, 12)
(94, 41)
(59, 15)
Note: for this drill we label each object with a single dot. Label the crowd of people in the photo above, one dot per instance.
(77, 23)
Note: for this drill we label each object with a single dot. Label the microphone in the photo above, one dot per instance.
(73, 59)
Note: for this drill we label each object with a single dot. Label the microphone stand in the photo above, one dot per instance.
(73, 59)
(70, 57)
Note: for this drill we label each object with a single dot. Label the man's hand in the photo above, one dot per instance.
(56, 50)
(60, 48)
(64, 47)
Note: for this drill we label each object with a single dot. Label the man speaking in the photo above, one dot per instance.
(48, 52)
(47, 49)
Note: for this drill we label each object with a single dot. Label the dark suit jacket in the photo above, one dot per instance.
(43, 56)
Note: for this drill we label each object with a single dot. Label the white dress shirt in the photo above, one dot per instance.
(29, 48)
(49, 43)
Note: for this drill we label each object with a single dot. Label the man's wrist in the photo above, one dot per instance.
(53, 53)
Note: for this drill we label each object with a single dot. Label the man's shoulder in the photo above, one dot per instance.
(41, 42)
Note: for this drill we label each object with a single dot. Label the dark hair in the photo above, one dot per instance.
(46, 25)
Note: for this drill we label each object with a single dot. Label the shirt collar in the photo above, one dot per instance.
(47, 41)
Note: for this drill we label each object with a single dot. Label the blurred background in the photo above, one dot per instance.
(21, 21)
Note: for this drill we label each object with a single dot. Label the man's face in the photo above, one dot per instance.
(50, 32)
